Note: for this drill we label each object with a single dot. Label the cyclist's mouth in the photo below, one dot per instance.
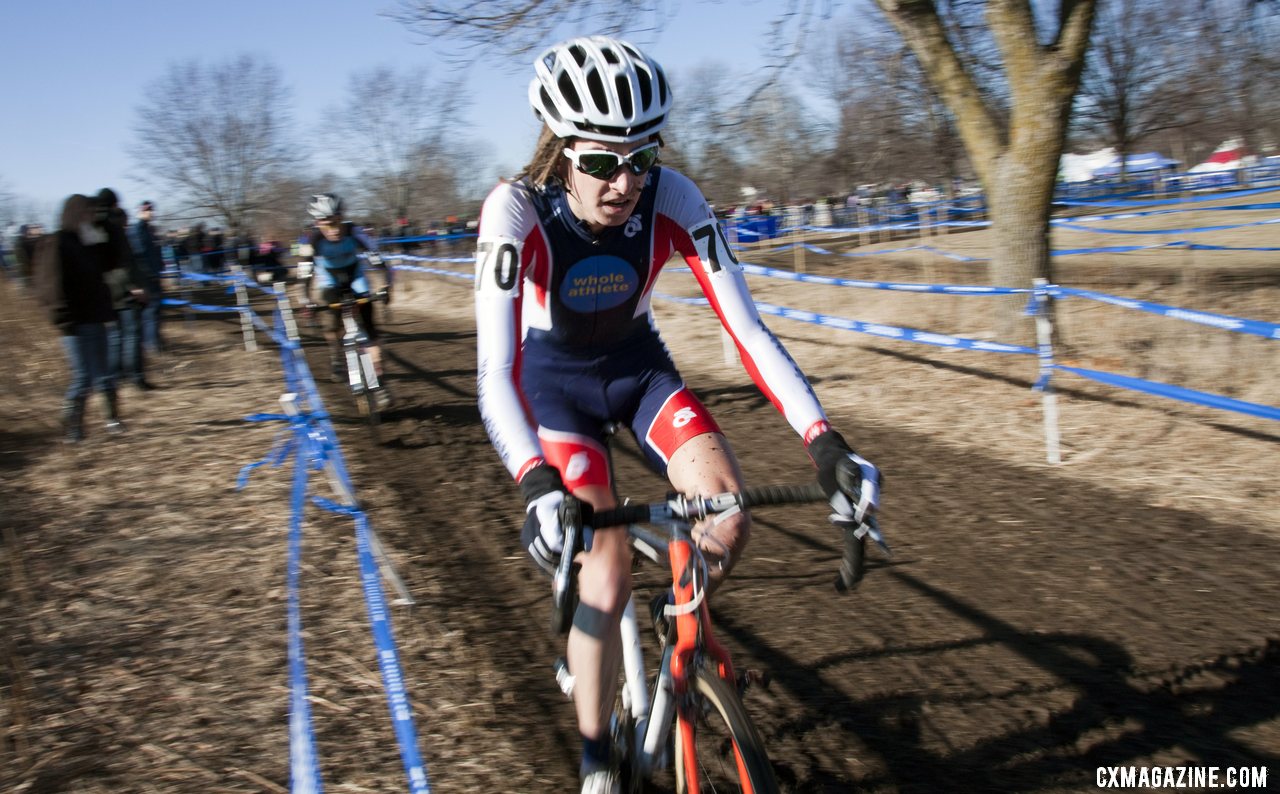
(620, 206)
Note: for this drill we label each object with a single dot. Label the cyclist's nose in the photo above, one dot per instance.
(624, 181)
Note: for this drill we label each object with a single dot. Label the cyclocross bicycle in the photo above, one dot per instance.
(362, 378)
(716, 746)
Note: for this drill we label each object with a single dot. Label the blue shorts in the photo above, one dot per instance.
(575, 398)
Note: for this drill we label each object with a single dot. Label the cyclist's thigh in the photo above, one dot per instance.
(667, 417)
(564, 397)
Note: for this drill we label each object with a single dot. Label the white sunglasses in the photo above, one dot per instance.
(603, 164)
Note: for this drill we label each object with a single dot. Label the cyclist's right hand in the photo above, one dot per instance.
(851, 482)
(543, 536)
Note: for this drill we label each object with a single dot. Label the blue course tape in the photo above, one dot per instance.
(1225, 322)
(438, 271)
(1175, 392)
(1082, 228)
(950, 289)
(312, 441)
(1158, 202)
(875, 329)
(304, 764)
(388, 659)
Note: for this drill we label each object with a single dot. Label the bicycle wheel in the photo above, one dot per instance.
(730, 754)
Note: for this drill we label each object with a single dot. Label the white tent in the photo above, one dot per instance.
(1080, 167)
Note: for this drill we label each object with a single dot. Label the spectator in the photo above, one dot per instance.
(266, 263)
(24, 245)
(69, 282)
(195, 247)
(120, 268)
(214, 255)
(146, 250)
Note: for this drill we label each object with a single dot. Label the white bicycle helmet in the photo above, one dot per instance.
(324, 205)
(601, 89)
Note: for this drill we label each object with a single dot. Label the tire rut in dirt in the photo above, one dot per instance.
(1029, 629)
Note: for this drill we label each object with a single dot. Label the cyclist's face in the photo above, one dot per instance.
(330, 227)
(604, 202)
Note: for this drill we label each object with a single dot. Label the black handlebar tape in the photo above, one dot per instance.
(754, 496)
(762, 495)
(620, 516)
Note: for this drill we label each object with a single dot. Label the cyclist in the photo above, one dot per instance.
(338, 272)
(567, 257)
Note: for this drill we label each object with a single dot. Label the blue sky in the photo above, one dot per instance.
(76, 71)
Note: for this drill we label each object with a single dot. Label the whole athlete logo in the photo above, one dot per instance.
(634, 226)
(598, 282)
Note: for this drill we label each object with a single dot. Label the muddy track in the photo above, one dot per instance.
(1035, 623)
(1028, 630)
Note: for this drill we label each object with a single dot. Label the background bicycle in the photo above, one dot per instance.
(356, 363)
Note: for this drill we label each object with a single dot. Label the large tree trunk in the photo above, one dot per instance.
(1019, 201)
(1017, 159)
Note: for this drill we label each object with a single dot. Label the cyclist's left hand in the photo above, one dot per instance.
(386, 295)
(851, 482)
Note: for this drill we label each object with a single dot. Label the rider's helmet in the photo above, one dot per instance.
(600, 88)
(324, 205)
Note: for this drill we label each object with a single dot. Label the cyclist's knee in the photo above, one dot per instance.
(723, 543)
(605, 579)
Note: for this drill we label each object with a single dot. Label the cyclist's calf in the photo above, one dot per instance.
(706, 465)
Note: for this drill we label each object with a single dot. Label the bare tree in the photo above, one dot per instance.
(215, 138)
(1235, 43)
(1136, 81)
(892, 125)
(1009, 92)
(1015, 159)
(394, 130)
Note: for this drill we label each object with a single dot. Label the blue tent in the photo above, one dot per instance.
(1137, 163)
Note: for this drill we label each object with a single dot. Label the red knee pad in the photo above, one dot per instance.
(580, 459)
(681, 418)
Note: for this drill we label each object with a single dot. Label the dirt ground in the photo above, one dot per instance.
(1036, 623)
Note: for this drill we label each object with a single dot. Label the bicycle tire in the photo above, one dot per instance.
(622, 730)
(367, 401)
(730, 752)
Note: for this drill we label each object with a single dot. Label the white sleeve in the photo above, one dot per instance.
(505, 221)
(706, 250)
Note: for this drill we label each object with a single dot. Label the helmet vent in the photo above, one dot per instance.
(662, 88)
(596, 86)
(610, 56)
(646, 89)
(570, 94)
(548, 106)
(579, 54)
(624, 95)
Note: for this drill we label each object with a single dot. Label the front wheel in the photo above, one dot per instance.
(725, 751)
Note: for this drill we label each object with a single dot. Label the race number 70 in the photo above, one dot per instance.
(713, 248)
(497, 266)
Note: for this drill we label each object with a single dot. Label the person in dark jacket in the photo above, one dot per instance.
(150, 264)
(70, 283)
(121, 270)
